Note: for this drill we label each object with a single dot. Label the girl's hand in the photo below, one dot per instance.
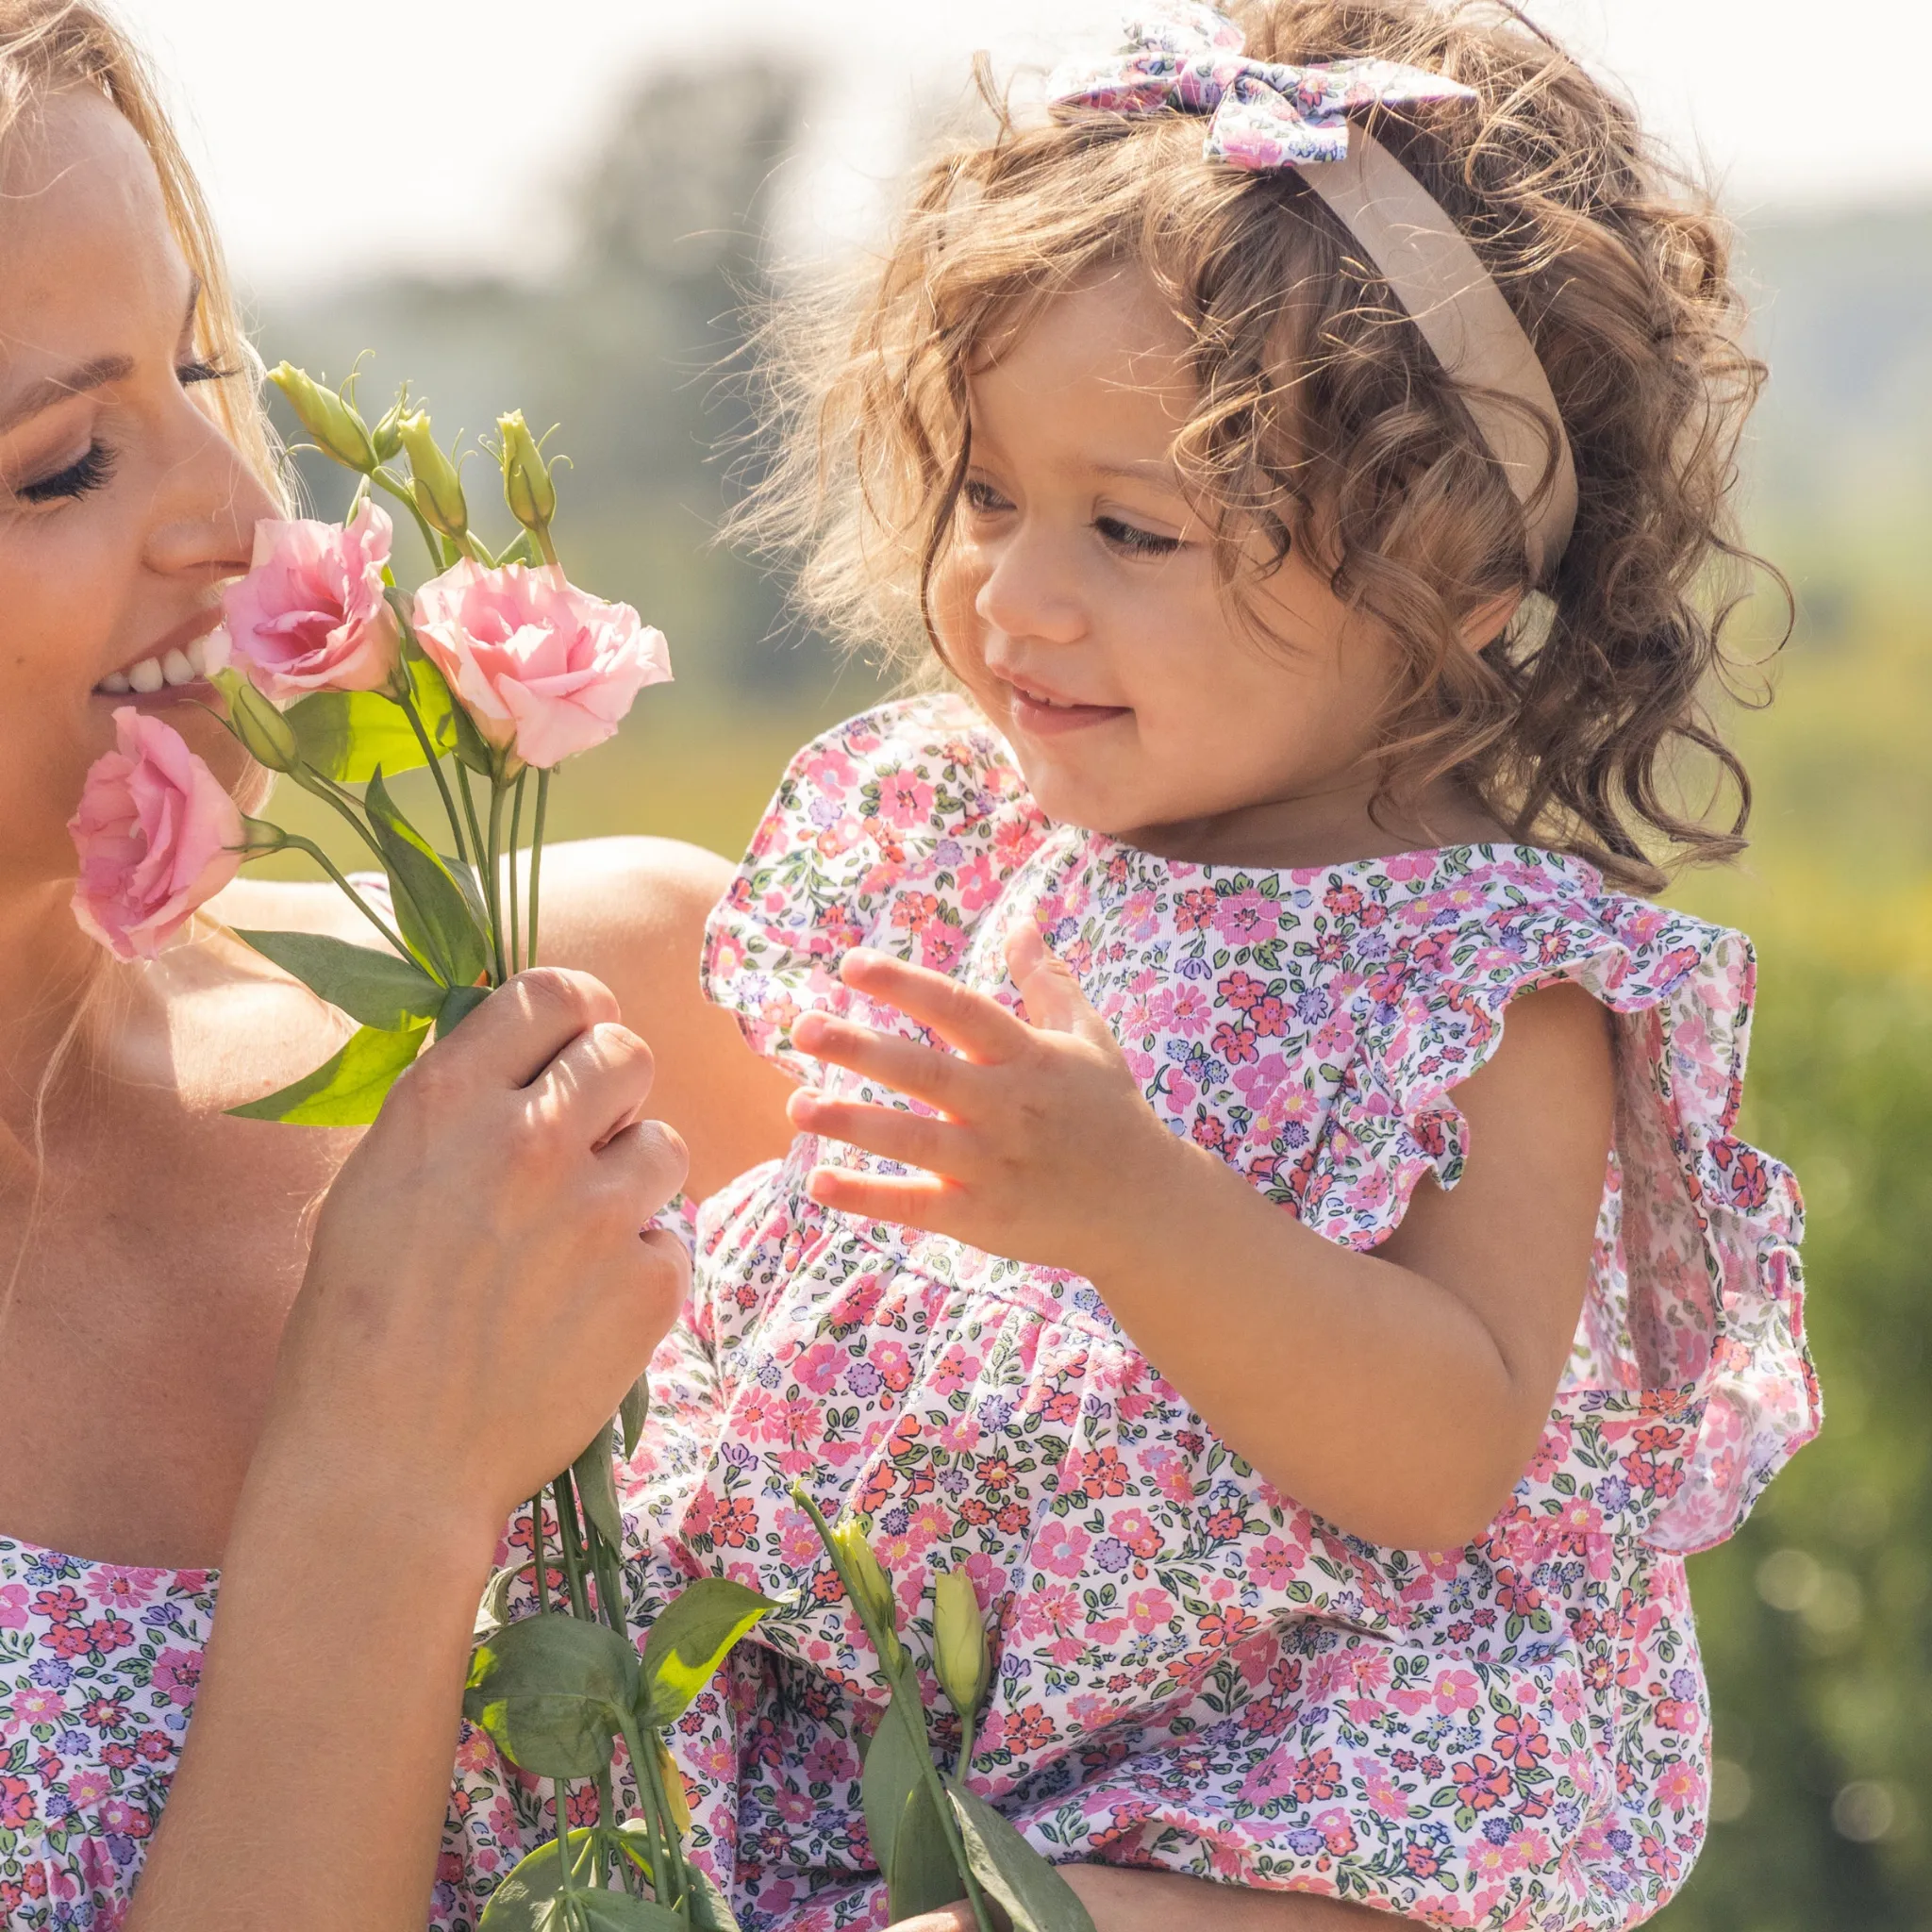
(478, 1295)
(1044, 1142)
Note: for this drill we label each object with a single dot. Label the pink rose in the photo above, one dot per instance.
(157, 835)
(541, 667)
(310, 614)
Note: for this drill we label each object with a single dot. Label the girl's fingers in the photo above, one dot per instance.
(1047, 986)
(916, 1139)
(915, 1200)
(977, 1026)
(940, 1079)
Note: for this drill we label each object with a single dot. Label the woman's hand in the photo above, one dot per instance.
(1042, 1138)
(478, 1299)
(480, 1295)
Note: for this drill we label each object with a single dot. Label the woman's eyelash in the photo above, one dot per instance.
(1136, 542)
(76, 479)
(201, 371)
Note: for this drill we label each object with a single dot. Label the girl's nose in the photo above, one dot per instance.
(208, 502)
(1031, 590)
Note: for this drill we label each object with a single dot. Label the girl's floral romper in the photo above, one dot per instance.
(1194, 1671)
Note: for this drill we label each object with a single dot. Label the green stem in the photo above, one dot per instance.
(545, 545)
(470, 813)
(537, 852)
(314, 783)
(542, 1561)
(609, 1586)
(968, 1724)
(429, 752)
(607, 1815)
(657, 1820)
(383, 480)
(516, 827)
(356, 898)
(492, 883)
(569, 1534)
(561, 1791)
(906, 1701)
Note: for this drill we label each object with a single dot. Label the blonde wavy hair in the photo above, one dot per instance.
(49, 47)
(1324, 422)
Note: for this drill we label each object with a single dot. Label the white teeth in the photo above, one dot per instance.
(177, 669)
(116, 681)
(146, 676)
(197, 656)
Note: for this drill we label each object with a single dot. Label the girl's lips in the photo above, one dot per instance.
(1040, 719)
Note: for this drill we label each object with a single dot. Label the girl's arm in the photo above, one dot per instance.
(1123, 1899)
(1400, 1393)
(477, 1301)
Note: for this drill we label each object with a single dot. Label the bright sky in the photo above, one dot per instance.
(361, 134)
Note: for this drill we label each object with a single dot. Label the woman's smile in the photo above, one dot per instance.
(176, 664)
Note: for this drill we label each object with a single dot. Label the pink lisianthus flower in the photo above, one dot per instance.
(157, 835)
(543, 669)
(310, 614)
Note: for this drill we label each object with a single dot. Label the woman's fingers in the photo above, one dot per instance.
(648, 1160)
(597, 1085)
(521, 1028)
(980, 1026)
(940, 1080)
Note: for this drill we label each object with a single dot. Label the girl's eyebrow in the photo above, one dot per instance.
(102, 370)
(1155, 470)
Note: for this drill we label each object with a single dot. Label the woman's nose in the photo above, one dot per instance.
(1031, 590)
(207, 502)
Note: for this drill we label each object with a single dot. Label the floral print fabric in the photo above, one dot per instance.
(1194, 1671)
(99, 1664)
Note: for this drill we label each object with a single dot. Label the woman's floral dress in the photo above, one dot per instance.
(1194, 1672)
(98, 1668)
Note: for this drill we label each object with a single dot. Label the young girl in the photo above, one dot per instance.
(1310, 476)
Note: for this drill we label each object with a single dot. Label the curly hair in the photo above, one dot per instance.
(49, 47)
(1322, 420)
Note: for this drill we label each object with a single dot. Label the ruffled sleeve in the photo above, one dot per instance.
(895, 830)
(1692, 1385)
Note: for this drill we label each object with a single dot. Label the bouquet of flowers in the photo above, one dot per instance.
(488, 676)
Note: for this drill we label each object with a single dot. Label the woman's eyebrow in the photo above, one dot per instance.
(50, 389)
(102, 370)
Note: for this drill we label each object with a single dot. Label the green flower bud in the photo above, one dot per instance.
(869, 1587)
(960, 1658)
(332, 421)
(435, 486)
(388, 433)
(528, 486)
(265, 734)
(260, 838)
(676, 1799)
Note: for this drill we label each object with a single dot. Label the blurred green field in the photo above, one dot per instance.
(1817, 1619)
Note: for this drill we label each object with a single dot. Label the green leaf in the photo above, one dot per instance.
(1036, 1897)
(348, 1088)
(923, 1875)
(637, 1406)
(432, 908)
(350, 735)
(597, 1489)
(895, 1767)
(553, 1691)
(531, 1899)
(689, 1641)
(458, 1003)
(709, 1908)
(375, 989)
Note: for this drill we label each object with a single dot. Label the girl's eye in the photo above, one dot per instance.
(76, 479)
(201, 371)
(1134, 540)
(983, 498)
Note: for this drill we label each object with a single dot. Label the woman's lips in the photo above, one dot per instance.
(169, 670)
(1040, 717)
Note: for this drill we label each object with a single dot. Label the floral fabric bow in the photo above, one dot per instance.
(1266, 115)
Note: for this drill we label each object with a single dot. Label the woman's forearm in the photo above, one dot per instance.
(316, 1773)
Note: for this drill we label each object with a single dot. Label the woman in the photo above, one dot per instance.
(187, 1380)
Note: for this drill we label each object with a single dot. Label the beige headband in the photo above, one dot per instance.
(1445, 290)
